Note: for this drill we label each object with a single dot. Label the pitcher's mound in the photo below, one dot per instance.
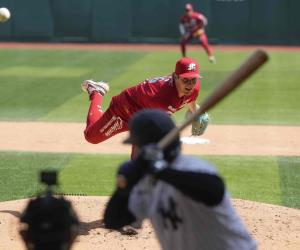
(193, 140)
(274, 227)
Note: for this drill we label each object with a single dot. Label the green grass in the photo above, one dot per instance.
(19, 172)
(289, 172)
(271, 96)
(45, 84)
(264, 179)
(91, 175)
(252, 178)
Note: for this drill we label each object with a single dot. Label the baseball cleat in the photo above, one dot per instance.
(212, 59)
(128, 230)
(90, 86)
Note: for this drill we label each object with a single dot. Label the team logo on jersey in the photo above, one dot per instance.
(115, 123)
(170, 214)
(192, 67)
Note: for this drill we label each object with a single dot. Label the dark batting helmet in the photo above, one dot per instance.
(150, 126)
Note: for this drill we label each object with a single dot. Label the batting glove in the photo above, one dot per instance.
(153, 158)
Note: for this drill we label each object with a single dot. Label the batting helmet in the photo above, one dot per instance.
(150, 126)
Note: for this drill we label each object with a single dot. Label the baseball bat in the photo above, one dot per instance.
(254, 62)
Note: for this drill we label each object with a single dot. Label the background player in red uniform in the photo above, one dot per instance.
(191, 26)
(168, 93)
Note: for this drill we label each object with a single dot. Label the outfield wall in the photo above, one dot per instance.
(230, 21)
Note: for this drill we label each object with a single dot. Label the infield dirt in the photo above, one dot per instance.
(224, 139)
(274, 227)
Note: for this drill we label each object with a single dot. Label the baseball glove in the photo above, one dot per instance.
(199, 126)
(198, 32)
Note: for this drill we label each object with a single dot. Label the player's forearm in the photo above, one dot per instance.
(206, 188)
(116, 214)
(193, 106)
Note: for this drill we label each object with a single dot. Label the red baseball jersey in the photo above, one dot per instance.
(158, 93)
(194, 22)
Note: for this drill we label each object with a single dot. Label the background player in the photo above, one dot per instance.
(184, 197)
(192, 25)
(169, 94)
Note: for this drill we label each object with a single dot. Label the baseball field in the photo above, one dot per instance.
(254, 135)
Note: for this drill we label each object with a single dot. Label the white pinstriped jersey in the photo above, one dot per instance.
(182, 223)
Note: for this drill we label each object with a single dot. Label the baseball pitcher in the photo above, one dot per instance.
(168, 93)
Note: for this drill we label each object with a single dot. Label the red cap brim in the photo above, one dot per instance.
(190, 75)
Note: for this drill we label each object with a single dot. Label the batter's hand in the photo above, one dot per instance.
(153, 158)
(150, 160)
(129, 173)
